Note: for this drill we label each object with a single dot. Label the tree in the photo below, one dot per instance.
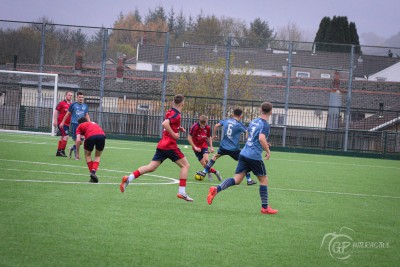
(171, 20)
(290, 32)
(127, 33)
(353, 37)
(207, 31)
(137, 16)
(259, 33)
(156, 15)
(334, 32)
(207, 80)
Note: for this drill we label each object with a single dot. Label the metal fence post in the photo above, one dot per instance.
(227, 70)
(103, 73)
(41, 63)
(385, 143)
(289, 74)
(348, 101)
(164, 80)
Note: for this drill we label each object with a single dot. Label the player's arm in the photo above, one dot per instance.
(55, 117)
(264, 143)
(78, 142)
(167, 126)
(216, 126)
(65, 118)
(87, 117)
(210, 144)
(190, 140)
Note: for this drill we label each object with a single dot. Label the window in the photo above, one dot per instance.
(325, 76)
(302, 74)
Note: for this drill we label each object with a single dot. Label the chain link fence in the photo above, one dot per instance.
(325, 96)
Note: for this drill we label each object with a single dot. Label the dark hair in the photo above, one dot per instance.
(266, 107)
(237, 112)
(82, 120)
(79, 93)
(178, 99)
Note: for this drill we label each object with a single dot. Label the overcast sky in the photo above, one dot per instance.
(380, 17)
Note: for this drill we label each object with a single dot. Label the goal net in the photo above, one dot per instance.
(27, 101)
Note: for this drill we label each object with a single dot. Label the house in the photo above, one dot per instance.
(368, 66)
(390, 74)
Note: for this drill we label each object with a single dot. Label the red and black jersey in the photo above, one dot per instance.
(200, 135)
(168, 142)
(62, 109)
(89, 129)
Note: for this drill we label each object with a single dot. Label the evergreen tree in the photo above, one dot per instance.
(334, 32)
(171, 20)
(260, 33)
(155, 15)
(137, 15)
(321, 33)
(353, 37)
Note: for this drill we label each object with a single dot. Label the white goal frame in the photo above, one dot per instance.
(55, 93)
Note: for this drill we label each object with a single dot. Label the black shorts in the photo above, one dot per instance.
(200, 154)
(97, 141)
(233, 154)
(172, 154)
(246, 165)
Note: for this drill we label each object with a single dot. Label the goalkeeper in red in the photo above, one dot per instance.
(94, 138)
(167, 148)
(251, 159)
(200, 138)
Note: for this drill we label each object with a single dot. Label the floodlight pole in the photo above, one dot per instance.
(289, 77)
(103, 73)
(348, 100)
(164, 81)
(227, 70)
(39, 103)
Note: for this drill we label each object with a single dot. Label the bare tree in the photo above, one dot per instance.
(287, 33)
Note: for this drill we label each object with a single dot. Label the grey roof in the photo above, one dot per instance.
(265, 59)
(372, 64)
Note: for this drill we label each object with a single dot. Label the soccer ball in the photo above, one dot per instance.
(198, 177)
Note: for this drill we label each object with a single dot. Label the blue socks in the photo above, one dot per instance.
(208, 166)
(264, 196)
(225, 184)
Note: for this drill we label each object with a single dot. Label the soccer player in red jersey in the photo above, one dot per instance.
(59, 114)
(94, 138)
(167, 148)
(200, 138)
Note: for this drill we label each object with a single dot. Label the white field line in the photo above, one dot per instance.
(135, 143)
(171, 180)
(333, 193)
(338, 163)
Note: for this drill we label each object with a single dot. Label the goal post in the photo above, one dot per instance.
(23, 104)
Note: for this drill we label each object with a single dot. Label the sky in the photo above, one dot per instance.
(371, 16)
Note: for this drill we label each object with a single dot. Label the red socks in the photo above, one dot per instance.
(136, 173)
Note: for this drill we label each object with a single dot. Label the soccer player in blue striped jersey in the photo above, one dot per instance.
(76, 110)
(250, 159)
(232, 129)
